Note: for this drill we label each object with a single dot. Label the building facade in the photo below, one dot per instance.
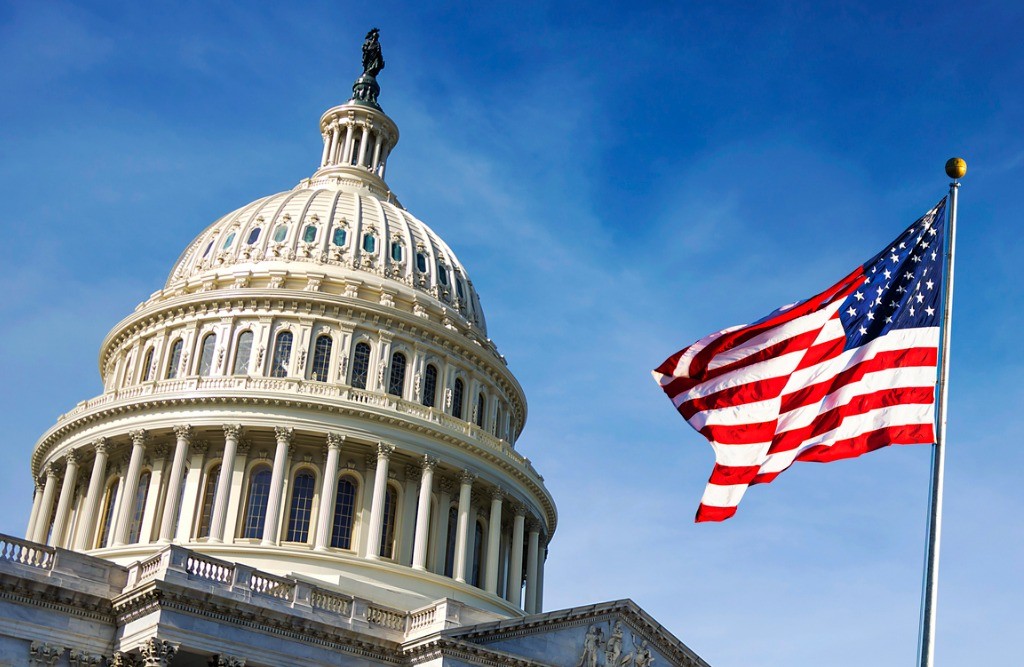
(304, 453)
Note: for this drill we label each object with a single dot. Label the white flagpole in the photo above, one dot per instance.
(955, 169)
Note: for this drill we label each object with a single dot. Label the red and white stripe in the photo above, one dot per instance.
(784, 390)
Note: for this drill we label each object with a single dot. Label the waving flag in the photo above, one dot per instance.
(849, 370)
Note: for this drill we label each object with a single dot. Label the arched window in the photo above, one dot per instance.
(282, 354)
(355, 151)
(301, 508)
(497, 423)
(344, 513)
(321, 358)
(141, 493)
(256, 502)
(206, 355)
(175, 360)
(242, 353)
(147, 366)
(457, 399)
(107, 516)
(209, 492)
(360, 365)
(396, 383)
(449, 551)
(387, 530)
(478, 553)
(430, 386)
(480, 405)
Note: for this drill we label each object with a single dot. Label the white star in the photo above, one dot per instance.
(934, 255)
(931, 231)
(851, 311)
(893, 304)
(929, 310)
(878, 301)
(908, 275)
(911, 311)
(924, 244)
(878, 291)
(901, 289)
(859, 296)
(894, 258)
(888, 274)
(871, 315)
(863, 331)
(915, 258)
(903, 245)
(930, 284)
(919, 297)
(888, 320)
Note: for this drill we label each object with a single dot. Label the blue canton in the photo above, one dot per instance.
(902, 285)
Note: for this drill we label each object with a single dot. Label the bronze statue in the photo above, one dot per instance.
(373, 61)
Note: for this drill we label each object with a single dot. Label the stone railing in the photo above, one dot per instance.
(322, 390)
(26, 553)
(386, 618)
(275, 587)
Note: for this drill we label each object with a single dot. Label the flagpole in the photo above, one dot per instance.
(955, 169)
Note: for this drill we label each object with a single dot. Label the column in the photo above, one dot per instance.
(347, 146)
(493, 542)
(37, 502)
(440, 539)
(419, 548)
(543, 559)
(515, 568)
(227, 466)
(284, 441)
(131, 483)
(376, 150)
(236, 496)
(67, 490)
(92, 496)
(190, 496)
(380, 485)
(462, 530)
(362, 146)
(151, 509)
(533, 544)
(328, 490)
(407, 523)
(183, 437)
(330, 141)
(46, 510)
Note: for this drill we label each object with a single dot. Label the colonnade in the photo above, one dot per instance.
(70, 514)
(353, 142)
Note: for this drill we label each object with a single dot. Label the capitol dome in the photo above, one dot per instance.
(311, 393)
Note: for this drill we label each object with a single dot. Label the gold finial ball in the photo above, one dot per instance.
(956, 167)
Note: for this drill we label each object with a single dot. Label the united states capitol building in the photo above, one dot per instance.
(305, 453)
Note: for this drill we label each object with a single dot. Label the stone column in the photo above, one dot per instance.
(419, 548)
(380, 485)
(461, 533)
(270, 526)
(67, 490)
(532, 555)
(183, 437)
(189, 497)
(46, 509)
(347, 146)
(221, 660)
(444, 500)
(37, 502)
(493, 542)
(515, 568)
(328, 491)
(92, 496)
(542, 560)
(131, 483)
(227, 467)
(376, 151)
(361, 161)
(330, 141)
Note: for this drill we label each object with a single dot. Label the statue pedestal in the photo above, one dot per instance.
(366, 90)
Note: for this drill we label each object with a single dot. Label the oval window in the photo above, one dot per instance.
(253, 235)
(309, 234)
(369, 243)
(280, 233)
(396, 252)
(209, 246)
(421, 262)
(228, 241)
(339, 237)
(442, 274)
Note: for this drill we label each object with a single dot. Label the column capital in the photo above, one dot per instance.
(497, 493)
(183, 432)
(225, 661)
(233, 431)
(385, 450)
(532, 525)
(50, 470)
(72, 457)
(157, 652)
(335, 440)
(139, 437)
(466, 477)
(518, 509)
(284, 433)
(429, 462)
(101, 446)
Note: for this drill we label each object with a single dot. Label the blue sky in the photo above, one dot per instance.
(619, 179)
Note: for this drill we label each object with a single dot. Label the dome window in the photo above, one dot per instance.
(430, 385)
(369, 243)
(344, 513)
(458, 288)
(339, 237)
(228, 241)
(421, 262)
(457, 392)
(309, 234)
(209, 247)
(253, 236)
(360, 365)
(442, 274)
(282, 355)
(280, 233)
(396, 251)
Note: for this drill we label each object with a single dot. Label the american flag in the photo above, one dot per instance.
(848, 371)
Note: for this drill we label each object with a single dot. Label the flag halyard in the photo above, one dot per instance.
(847, 371)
